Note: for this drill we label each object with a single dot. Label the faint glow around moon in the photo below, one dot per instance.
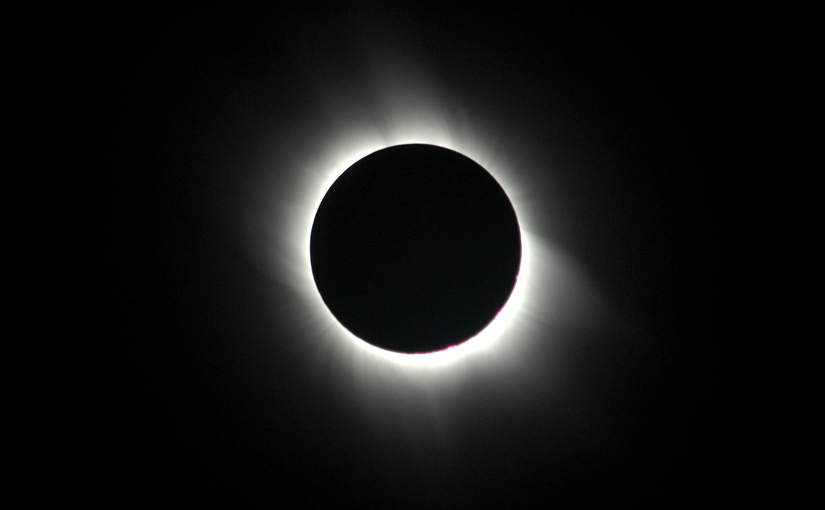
(405, 110)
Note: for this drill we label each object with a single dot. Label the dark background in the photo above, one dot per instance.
(621, 109)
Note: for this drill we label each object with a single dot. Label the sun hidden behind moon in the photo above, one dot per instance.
(415, 248)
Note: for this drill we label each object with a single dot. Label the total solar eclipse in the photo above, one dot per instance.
(415, 248)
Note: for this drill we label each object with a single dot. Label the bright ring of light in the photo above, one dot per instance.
(408, 116)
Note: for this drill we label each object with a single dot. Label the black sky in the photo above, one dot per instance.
(620, 114)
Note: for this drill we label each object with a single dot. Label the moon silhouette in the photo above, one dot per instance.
(415, 248)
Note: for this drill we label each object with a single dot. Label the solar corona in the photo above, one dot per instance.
(414, 246)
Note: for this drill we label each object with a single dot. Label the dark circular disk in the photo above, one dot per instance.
(415, 248)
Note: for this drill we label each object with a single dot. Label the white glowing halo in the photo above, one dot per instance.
(483, 341)
(419, 120)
